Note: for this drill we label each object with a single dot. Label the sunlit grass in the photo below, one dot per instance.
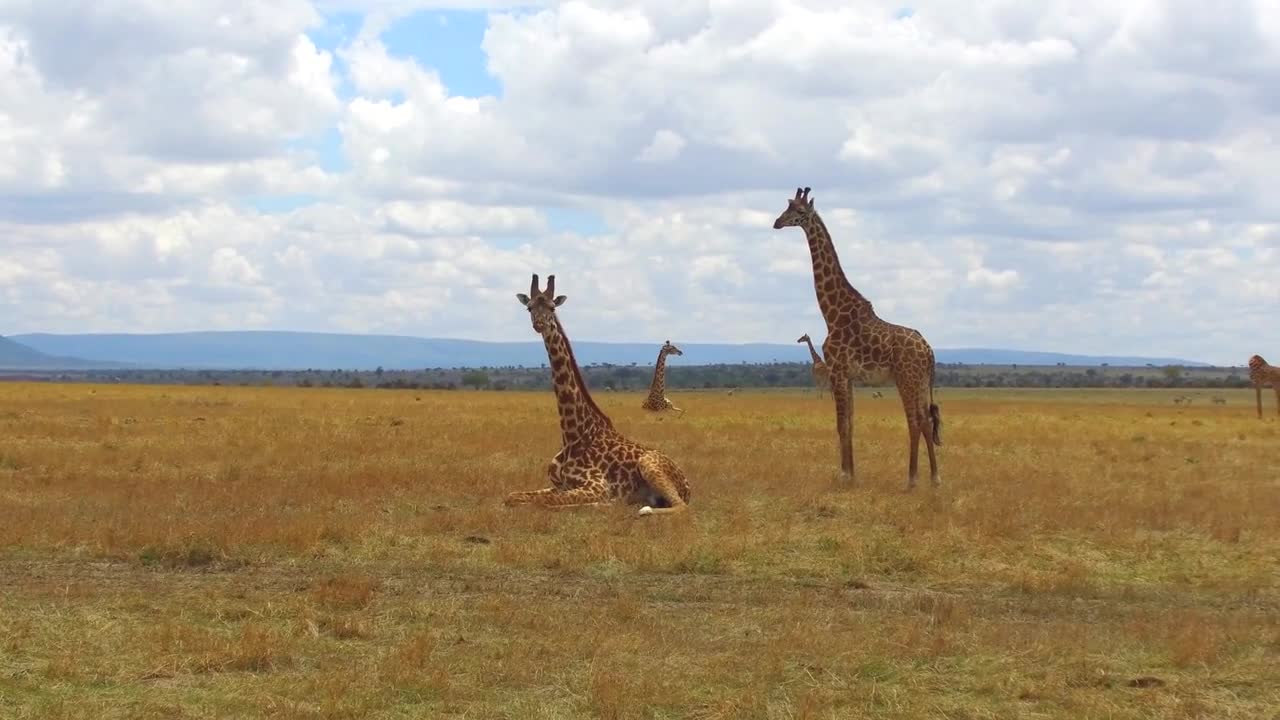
(239, 552)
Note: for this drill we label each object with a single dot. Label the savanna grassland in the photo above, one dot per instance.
(197, 552)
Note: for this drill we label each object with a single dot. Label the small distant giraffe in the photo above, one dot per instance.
(596, 464)
(821, 375)
(860, 346)
(657, 400)
(1261, 374)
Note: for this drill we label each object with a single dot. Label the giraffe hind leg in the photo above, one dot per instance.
(921, 422)
(661, 477)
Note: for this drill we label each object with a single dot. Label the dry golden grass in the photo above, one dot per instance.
(189, 552)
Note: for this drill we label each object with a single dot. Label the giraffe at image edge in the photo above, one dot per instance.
(596, 464)
(821, 374)
(860, 345)
(1261, 375)
(657, 399)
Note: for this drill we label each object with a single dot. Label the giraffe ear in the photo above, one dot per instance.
(524, 299)
(559, 300)
(810, 203)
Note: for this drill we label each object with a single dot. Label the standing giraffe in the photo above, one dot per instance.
(657, 400)
(1260, 374)
(596, 464)
(860, 345)
(821, 374)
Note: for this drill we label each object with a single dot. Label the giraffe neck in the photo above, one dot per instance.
(580, 417)
(817, 359)
(836, 296)
(659, 384)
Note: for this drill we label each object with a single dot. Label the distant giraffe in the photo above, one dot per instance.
(860, 346)
(1261, 374)
(657, 399)
(821, 375)
(596, 464)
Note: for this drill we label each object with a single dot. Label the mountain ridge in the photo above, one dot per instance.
(15, 355)
(297, 350)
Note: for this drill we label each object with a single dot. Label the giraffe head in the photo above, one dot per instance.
(669, 349)
(799, 209)
(803, 338)
(542, 304)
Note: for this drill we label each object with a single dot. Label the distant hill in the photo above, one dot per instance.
(271, 350)
(17, 356)
(988, 356)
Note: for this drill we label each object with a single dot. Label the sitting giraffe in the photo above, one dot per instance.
(860, 345)
(596, 464)
(821, 374)
(1261, 374)
(657, 400)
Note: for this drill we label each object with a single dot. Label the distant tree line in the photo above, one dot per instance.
(630, 378)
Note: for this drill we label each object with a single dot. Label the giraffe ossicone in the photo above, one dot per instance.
(596, 464)
(860, 345)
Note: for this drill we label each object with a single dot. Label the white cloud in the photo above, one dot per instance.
(665, 147)
(1088, 176)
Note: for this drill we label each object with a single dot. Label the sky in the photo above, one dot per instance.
(1062, 175)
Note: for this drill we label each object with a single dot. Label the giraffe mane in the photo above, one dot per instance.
(577, 374)
(816, 219)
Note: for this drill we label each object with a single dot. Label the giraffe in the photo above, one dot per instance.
(596, 464)
(657, 400)
(861, 346)
(1260, 374)
(821, 375)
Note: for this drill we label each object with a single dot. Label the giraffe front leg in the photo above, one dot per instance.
(842, 391)
(1258, 392)
(555, 499)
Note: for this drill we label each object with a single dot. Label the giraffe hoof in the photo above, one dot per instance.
(646, 510)
(936, 481)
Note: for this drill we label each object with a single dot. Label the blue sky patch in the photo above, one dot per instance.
(449, 43)
(327, 147)
(275, 204)
(582, 222)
